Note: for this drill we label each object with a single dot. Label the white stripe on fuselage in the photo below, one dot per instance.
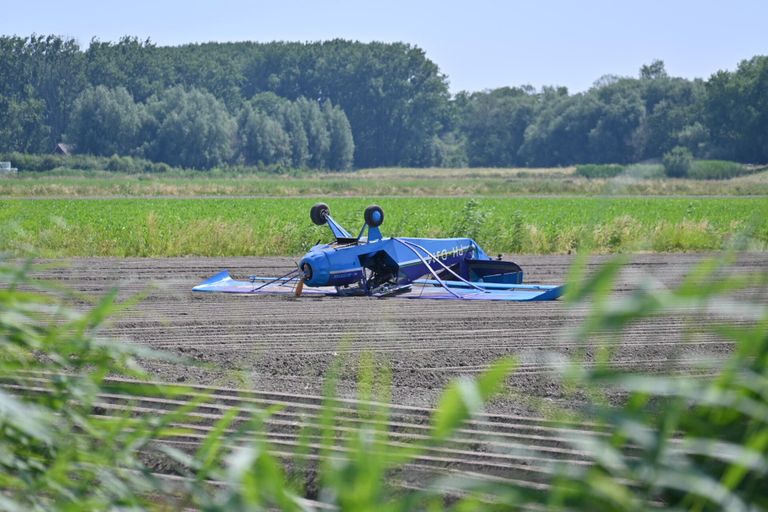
(346, 270)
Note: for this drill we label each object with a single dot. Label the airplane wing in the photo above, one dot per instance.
(223, 283)
(420, 289)
(459, 290)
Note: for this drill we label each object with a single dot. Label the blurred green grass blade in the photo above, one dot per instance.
(749, 456)
(598, 285)
(465, 398)
(27, 418)
(210, 449)
(699, 486)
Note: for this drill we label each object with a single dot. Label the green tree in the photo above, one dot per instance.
(263, 139)
(395, 99)
(671, 104)
(189, 128)
(560, 132)
(22, 125)
(614, 138)
(494, 124)
(737, 111)
(48, 69)
(342, 148)
(695, 137)
(275, 130)
(214, 67)
(653, 71)
(269, 103)
(318, 135)
(58, 78)
(105, 122)
(294, 127)
(139, 66)
(677, 162)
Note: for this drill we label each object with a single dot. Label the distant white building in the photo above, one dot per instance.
(6, 169)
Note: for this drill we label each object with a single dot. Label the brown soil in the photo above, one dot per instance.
(280, 349)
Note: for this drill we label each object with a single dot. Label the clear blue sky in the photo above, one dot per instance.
(479, 44)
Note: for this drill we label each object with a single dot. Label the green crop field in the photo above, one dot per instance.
(272, 226)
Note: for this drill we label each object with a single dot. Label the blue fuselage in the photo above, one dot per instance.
(407, 258)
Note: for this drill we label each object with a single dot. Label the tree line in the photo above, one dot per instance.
(192, 128)
(620, 119)
(338, 104)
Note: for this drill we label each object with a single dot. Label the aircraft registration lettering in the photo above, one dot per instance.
(450, 253)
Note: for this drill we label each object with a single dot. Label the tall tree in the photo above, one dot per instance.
(22, 125)
(139, 66)
(105, 122)
(737, 111)
(394, 97)
(294, 127)
(560, 133)
(263, 139)
(494, 124)
(316, 128)
(189, 129)
(671, 105)
(342, 148)
(44, 68)
(614, 138)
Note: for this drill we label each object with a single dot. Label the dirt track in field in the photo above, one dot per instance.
(279, 349)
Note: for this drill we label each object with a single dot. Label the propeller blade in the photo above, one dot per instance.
(299, 287)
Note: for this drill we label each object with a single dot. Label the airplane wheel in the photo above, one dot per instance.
(374, 216)
(318, 213)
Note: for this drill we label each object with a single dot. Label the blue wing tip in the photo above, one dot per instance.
(203, 287)
(552, 294)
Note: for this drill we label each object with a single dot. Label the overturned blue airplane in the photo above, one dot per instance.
(377, 266)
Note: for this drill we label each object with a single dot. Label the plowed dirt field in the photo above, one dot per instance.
(267, 350)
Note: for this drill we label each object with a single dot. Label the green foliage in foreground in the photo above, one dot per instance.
(53, 453)
(694, 443)
(243, 227)
(684, 442)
